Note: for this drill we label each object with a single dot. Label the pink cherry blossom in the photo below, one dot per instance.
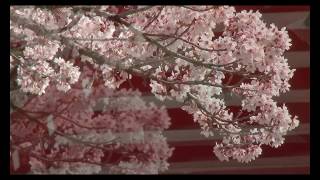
(67, 65)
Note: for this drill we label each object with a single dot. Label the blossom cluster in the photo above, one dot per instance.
(199, 56)
(40, 63)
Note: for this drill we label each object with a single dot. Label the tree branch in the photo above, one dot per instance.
(199, 10)
(154, 18)
(134, 11)
(69, 160)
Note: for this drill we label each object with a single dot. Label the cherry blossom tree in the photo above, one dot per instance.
(67, 62)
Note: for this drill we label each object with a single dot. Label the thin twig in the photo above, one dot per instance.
(134, 11)
(185, 31)
(96, 39)
(179, 38)
(154, 18)
(199, 10)
(82, 160)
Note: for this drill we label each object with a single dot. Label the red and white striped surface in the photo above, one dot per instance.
(193, 153)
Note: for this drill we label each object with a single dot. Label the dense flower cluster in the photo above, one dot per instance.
(199, 56)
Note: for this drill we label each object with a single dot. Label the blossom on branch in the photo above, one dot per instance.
(71, 61)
